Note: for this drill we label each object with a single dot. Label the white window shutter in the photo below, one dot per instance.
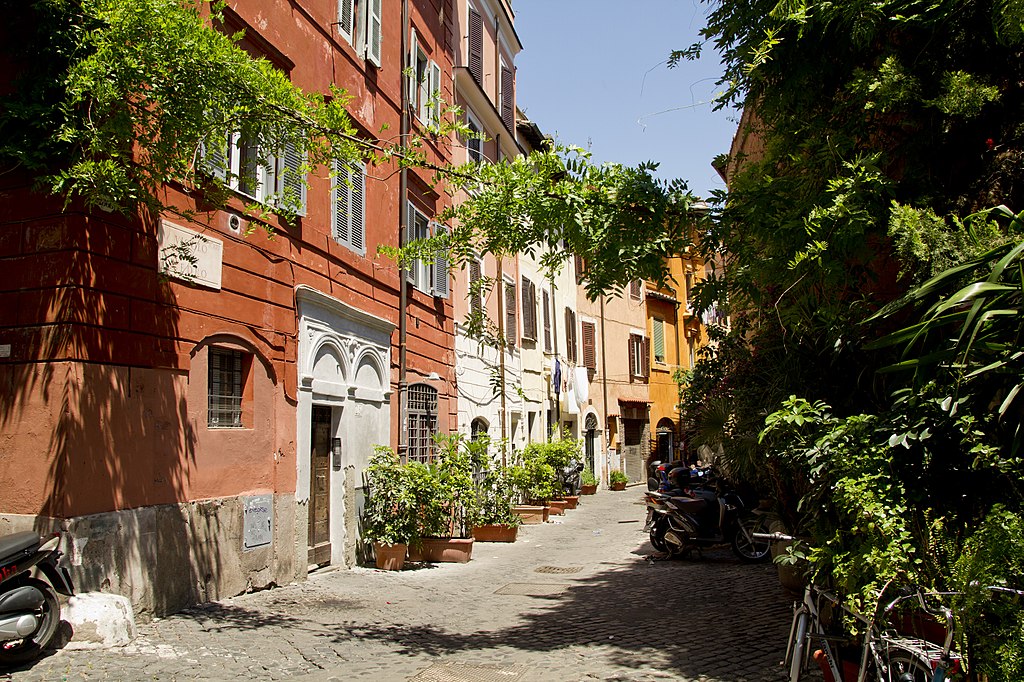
(413, 84)
(359, 211)
(215, 158)
(373, 32)
(410, 234)
(441, 265)
(346, 20)
(341, 203)
(290, 181)
(434, 93)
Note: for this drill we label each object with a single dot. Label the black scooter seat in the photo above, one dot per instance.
(17, 543)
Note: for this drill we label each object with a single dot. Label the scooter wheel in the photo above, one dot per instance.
(658, 535)
(28, 649)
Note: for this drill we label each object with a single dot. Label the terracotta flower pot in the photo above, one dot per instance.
(557, 507)
(442, 550)
(571, 501)
(495, 533)
(588, 489)
(531, 514)
(619, 485)
(389, 557)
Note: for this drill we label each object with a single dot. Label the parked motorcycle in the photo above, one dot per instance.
(701, 510)
(569, 478)
(29, 610)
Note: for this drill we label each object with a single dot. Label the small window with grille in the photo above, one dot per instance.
(227, 378)
(422, 401)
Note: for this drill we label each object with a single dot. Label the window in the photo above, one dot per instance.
(581, 267)
(547, 321)
(430, 277)
(474, 143)
(478, 429)
(588, 332)
(270, 176)
(348, 207)
(570, 335)
(226, 380)
(658, 332)
(425, 88)
(359, 22)
(475, 46)
(422, 413)
(689, 287)
(529, 297)
(639, 357)
(510, 314)
(635, 289)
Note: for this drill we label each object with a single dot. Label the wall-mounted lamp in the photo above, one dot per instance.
(336, 453)
(433, 376)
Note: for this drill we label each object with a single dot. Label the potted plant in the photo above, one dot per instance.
(588, 482)
(494, 519)
(390, 515)
(446, 498)
(519, 480)
(540, 477)
(617, 480)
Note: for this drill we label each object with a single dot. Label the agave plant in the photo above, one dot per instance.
(971, 327)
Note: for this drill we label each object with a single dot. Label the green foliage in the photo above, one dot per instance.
(587, 477)
(496, 496)
(617, 476)
(391, 512)
(536, 477)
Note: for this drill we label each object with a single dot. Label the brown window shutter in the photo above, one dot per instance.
(529, 311)
(476, 46)
(634, 289)
(476, 298)
(589, 345)
(533, 311)
(510, 314)
(547, 321)
(632, 356)
(580, 266)
(647, 358)
(508, 113)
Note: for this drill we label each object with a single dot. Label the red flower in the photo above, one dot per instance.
(990, 143)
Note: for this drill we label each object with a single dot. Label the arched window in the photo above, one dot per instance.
(422, 401)
(478, 428)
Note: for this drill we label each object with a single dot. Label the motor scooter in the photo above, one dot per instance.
(700, 510)
(29, 609)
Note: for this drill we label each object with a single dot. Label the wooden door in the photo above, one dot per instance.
(319, 487)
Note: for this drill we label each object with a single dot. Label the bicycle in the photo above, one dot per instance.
(883, 654)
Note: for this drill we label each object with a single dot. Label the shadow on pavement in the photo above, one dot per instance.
(711, 616)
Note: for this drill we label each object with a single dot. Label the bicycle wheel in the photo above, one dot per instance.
(906, 666)
(745, 545)
(796, 652)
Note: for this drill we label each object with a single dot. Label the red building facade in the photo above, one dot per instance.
(205, 433)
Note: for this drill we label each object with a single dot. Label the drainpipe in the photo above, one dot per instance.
(403, 273)
(604, 380)
(501, 357)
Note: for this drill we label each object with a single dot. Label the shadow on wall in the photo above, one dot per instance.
(93, 408)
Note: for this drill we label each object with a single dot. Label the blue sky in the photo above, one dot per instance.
(592, 73)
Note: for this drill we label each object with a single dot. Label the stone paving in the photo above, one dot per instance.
(578, 599)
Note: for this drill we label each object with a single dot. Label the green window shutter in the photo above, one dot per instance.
(215, 157)
(658, 327)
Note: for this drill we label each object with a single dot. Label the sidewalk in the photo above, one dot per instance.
(571, 600)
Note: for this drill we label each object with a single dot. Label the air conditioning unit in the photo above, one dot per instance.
(235, 223)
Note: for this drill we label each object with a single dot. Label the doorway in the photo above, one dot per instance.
(590, 443)
(319, 487)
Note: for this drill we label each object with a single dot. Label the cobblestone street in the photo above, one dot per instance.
(578, 599)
